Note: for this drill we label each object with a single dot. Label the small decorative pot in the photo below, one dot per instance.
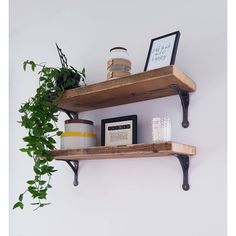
(78, 133)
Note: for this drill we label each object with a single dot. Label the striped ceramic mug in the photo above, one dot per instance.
(79, 133)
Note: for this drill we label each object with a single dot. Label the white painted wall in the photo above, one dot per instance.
(126, 197)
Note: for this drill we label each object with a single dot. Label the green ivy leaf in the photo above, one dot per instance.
(18, 204)
(59, 133)
(42, 182)
(30, 182)
(33, 65)
(24, 149)
(49, 157)
(44, 204)
(51, 140)
(24, 65)
(37, 170)
(21, 197)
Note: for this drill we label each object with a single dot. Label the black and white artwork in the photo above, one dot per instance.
(162, 51)
(119, 131)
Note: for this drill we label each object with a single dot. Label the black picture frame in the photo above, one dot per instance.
(173, 53)
(124, 119)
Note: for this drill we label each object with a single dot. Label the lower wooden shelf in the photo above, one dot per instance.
(181, 151)
(125, 151)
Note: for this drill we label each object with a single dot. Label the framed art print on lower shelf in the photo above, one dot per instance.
(162, 51)
(119, 131)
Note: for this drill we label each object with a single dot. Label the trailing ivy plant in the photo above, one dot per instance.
(39, 117)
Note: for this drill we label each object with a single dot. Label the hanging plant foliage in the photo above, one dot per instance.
(39, 116)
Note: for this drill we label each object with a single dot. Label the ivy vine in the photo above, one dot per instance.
(39, 117)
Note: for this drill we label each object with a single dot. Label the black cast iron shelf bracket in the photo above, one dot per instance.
(184, 97)
(75, 167)
(71, 114)
(183, 159)
(184, 162)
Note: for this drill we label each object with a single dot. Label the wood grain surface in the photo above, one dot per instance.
(125, 151)
(133, 88)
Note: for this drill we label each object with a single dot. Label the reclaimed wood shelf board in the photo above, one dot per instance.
(125, 151)
(134, 88)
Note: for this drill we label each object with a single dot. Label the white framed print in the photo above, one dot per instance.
(119, 131)
(162, 51)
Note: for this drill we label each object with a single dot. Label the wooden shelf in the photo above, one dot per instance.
(147, 85)
(137, 87)
(125, 151)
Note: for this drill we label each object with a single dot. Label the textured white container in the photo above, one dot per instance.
(161, 129)
(78, 134)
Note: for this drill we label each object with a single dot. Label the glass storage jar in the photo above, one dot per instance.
(161, 129)
(118, 64)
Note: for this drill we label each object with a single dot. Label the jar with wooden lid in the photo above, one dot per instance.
(79, 133)
(119, 63)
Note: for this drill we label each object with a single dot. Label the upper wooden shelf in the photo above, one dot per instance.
(137, 87)
(125, 151)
